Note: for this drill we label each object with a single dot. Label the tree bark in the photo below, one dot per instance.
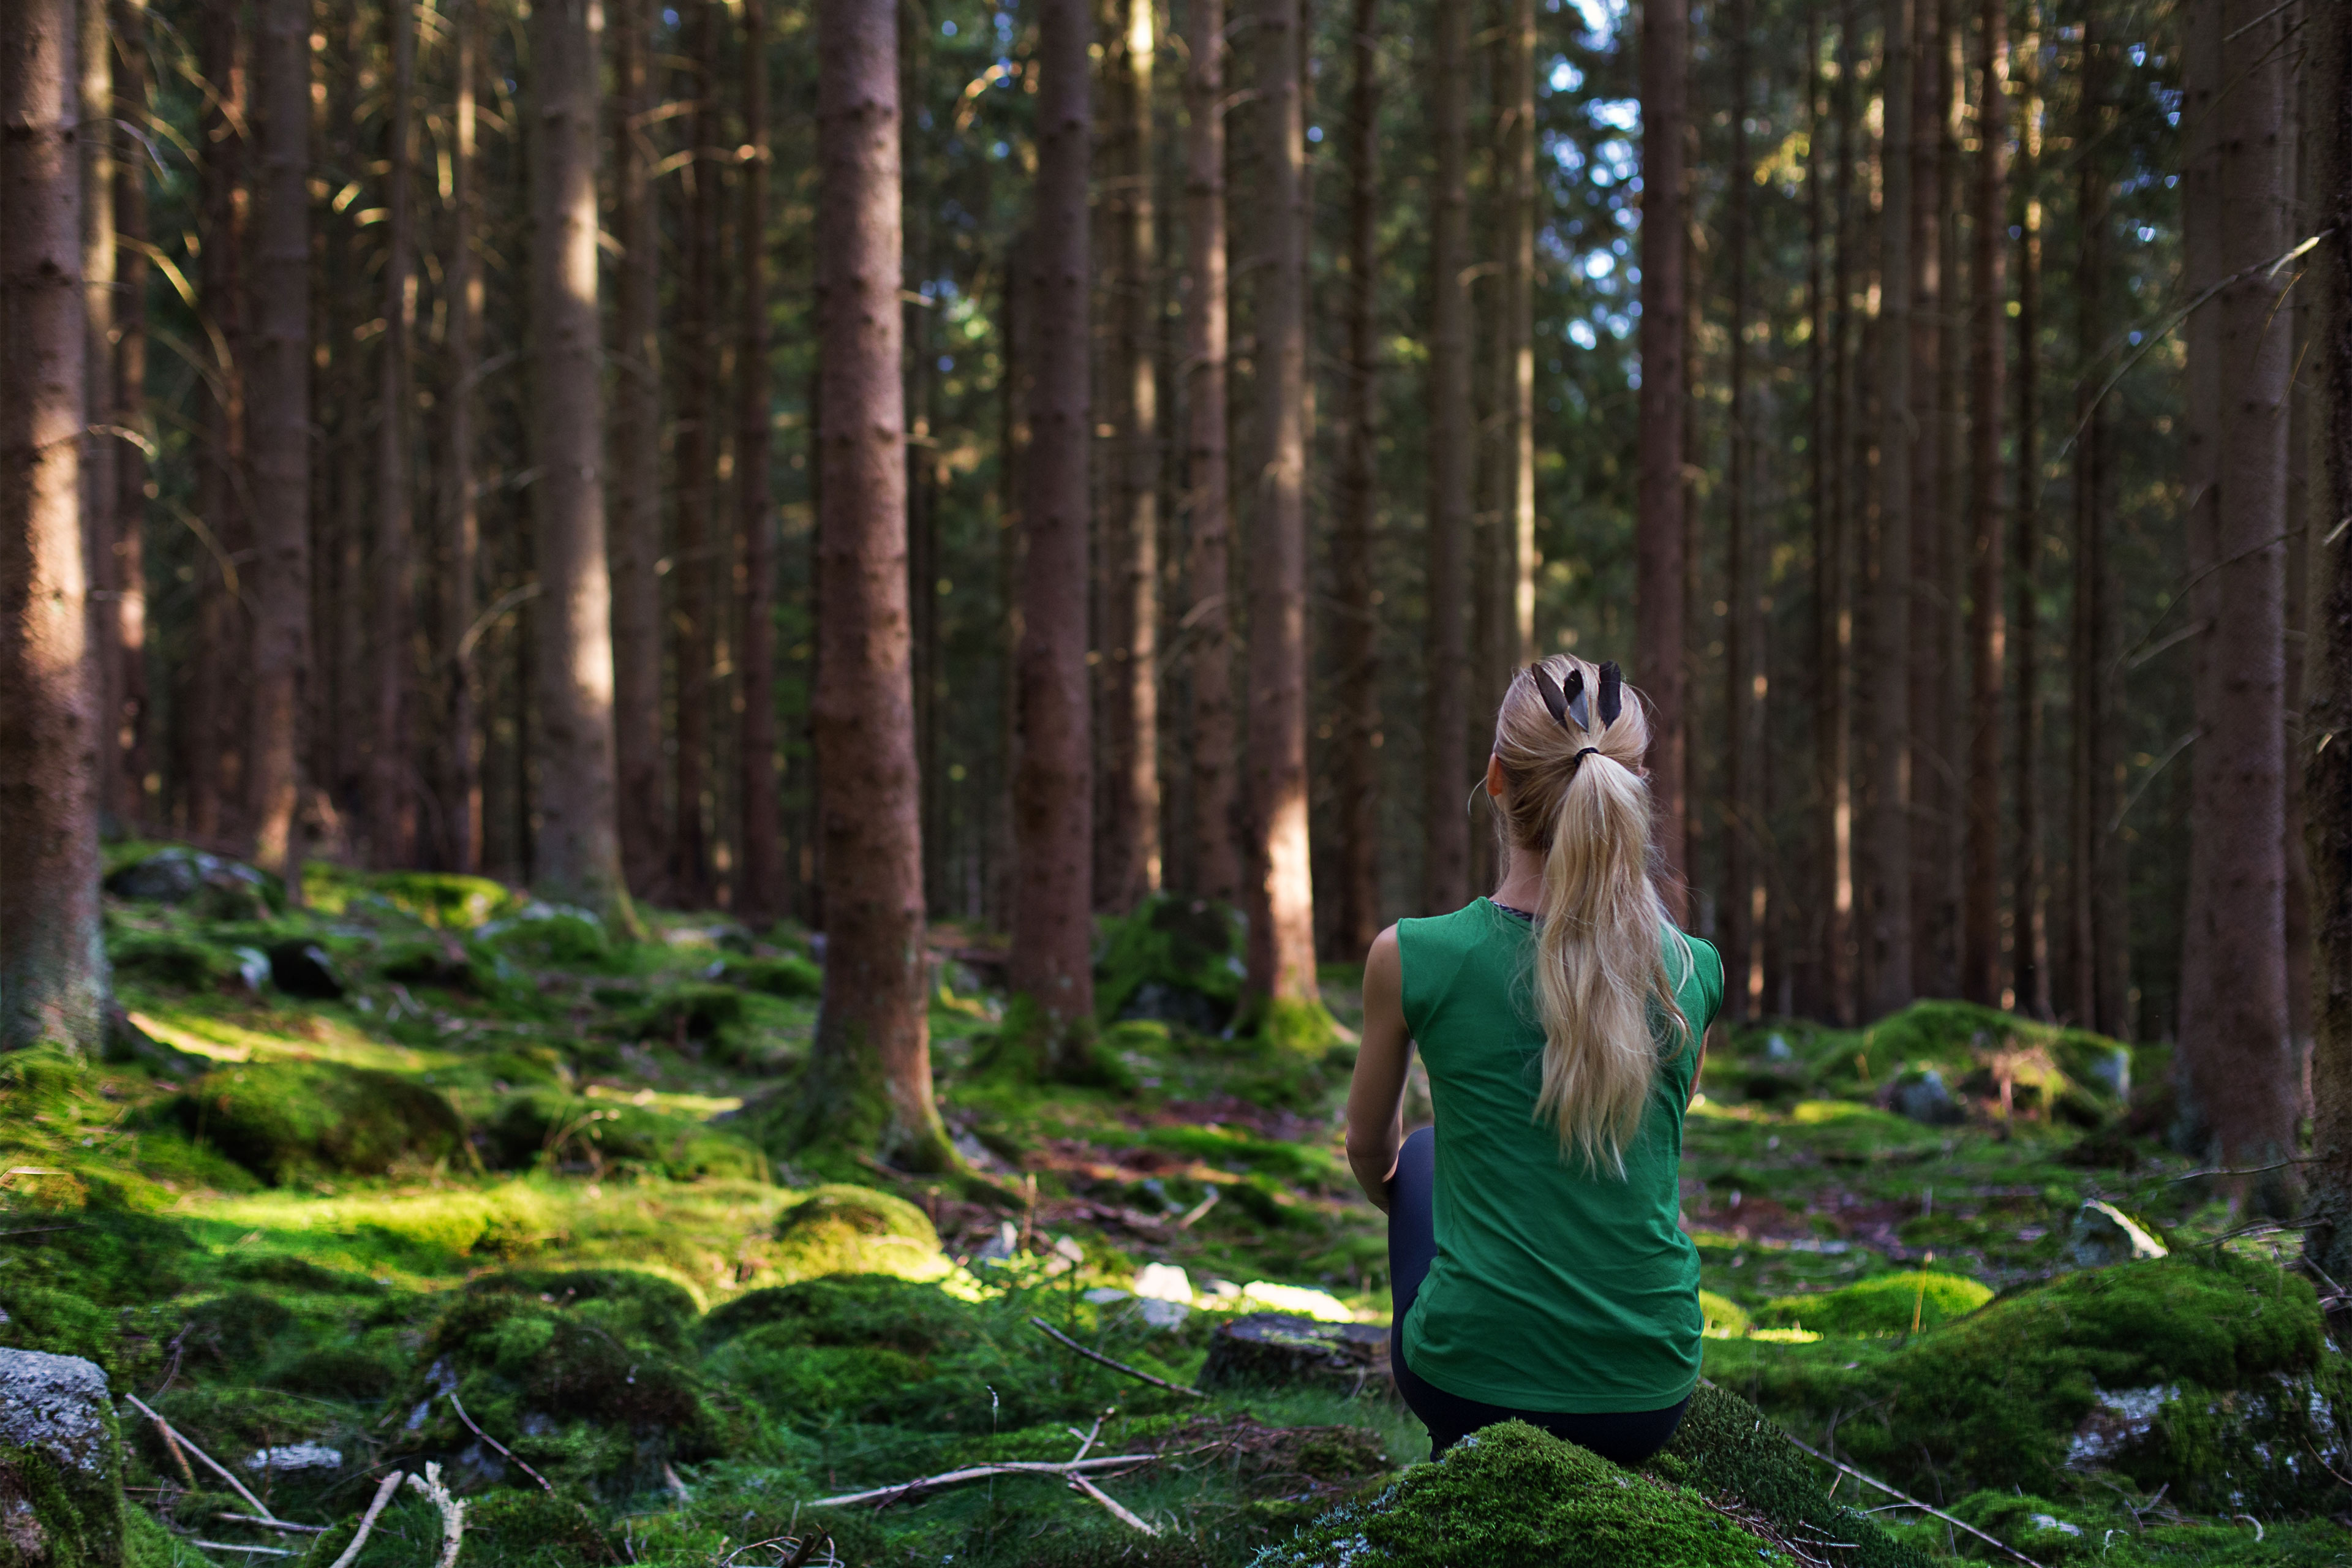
(1445, 721)
(1217, 850)
(281, 440)
(1517, 306)
(1891, 922)
(635, 442)
(2327, 768)
(1132, 867)
(2240, 1068)
(1837, 892)
(1053, 794)
(760, 866)
(461, 791)
(1658, 512)
(872, 1064)
(2028, 901)
(1980, 914)
(96, 140)
(391, 803)
(1357, 623)
(1743, 752)
(128, 688)
(53, 977)
(1281, 896)
(577, 856)
(1924, 614)
(693, 553)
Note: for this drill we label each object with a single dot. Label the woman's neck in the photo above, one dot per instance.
(1522, 884)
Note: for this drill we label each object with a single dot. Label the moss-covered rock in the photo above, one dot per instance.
(623, 1302)
(789, 975)
(283, 1120)
(60, 1464)
(1177, 958)
(844, 1229)
(551, 933)
(2209, 1374)
(1884, 1304)
(170, 960)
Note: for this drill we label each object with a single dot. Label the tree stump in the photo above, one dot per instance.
(1276, 1348)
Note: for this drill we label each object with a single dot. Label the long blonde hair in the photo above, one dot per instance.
(1570, 740)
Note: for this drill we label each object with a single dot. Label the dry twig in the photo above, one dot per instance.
(1116, 1365)
(1994, 1542)
(1118, 1510)
(176, 1440)
(383, 1491)
(494, 1443)
(903, 1489)
(237, 1546)
(273, 1524)
(453, 1511)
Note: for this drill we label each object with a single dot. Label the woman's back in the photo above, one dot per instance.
(1556, 1287)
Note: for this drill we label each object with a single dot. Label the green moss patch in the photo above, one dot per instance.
(845, 1229)
(1883, 1304)
(54, 1517)
(1175, 957)
(284, 1120)
(549, 1127)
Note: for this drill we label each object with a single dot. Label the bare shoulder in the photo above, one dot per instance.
(1384, 969)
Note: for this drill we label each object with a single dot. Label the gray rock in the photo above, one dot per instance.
(2111, 1070)
(1278, 1348)
(1923, 1097)
(2102, 1234)
(56, 1404)
(216, 888)
(294, 1456)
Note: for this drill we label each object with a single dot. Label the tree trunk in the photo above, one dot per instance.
(1837, 894)
(1517, 375)
(2327, 770)
(95, 140)
(2304, 532)
(693, 553)
(1445, 723)
(636, 441)
(1132, 865)
(577, 856)
(1812, 998)
(2027, 900)
(1930, 801)
(53, 979)
(461, 790)
(1217, 850)
(1891, 939)
(2241, 1072)
(128, 687)
(1281, 897)
(214, 709)
(1980, 914)
(1743, 752)
(281, 440)
(1658, 512)
(760, 864)
(1356, 625)
(872, 1056)
(1053, 794)
(391, 803)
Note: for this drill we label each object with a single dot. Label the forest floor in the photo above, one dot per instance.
(422, 1172)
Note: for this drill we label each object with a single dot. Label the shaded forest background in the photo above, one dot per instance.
(2022, 198)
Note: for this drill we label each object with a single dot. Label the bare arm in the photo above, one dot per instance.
(1376, 1094)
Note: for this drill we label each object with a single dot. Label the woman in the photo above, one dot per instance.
(1537, 1269)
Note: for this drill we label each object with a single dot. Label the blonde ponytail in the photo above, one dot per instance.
(1575, 794)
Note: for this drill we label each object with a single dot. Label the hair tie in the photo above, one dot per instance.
(1588, 751)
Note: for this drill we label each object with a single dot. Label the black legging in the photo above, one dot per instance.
(1624, 1437)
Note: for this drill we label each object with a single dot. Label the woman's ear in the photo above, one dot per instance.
(1495, 776)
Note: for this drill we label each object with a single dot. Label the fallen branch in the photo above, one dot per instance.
(1117, 1365)
(493, 1442)
(175, 1439)
(977, 1472)
(383, 1491)
(237, 1546)
(453, 1513)
(1118, 1510)
(273, 1524)
(1907, 1499)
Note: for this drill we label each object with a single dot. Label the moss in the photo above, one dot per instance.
(844, 1229)
(625, 1301)
(1725, 1319)
(1725, 1449)
(544, 1125)
(1884, 1304)
(170, 960)
(1189, 949)
(52, 1516)
(283, 1120)
(1517, 1497)
(694, 1011)
(553, 933)
(59, 1322)
(787, 975)
(1294, 1028)
(445, 898)
(1994, 1399)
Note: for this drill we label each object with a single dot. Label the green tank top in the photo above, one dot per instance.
(1553, 1290)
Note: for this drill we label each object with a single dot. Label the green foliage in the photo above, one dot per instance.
(547, 1125)
(1189, 949)
(553, 933)
(1725, 1448)
(170, 960)
(789, 975)
(285, 1121)
(1883, 1304)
